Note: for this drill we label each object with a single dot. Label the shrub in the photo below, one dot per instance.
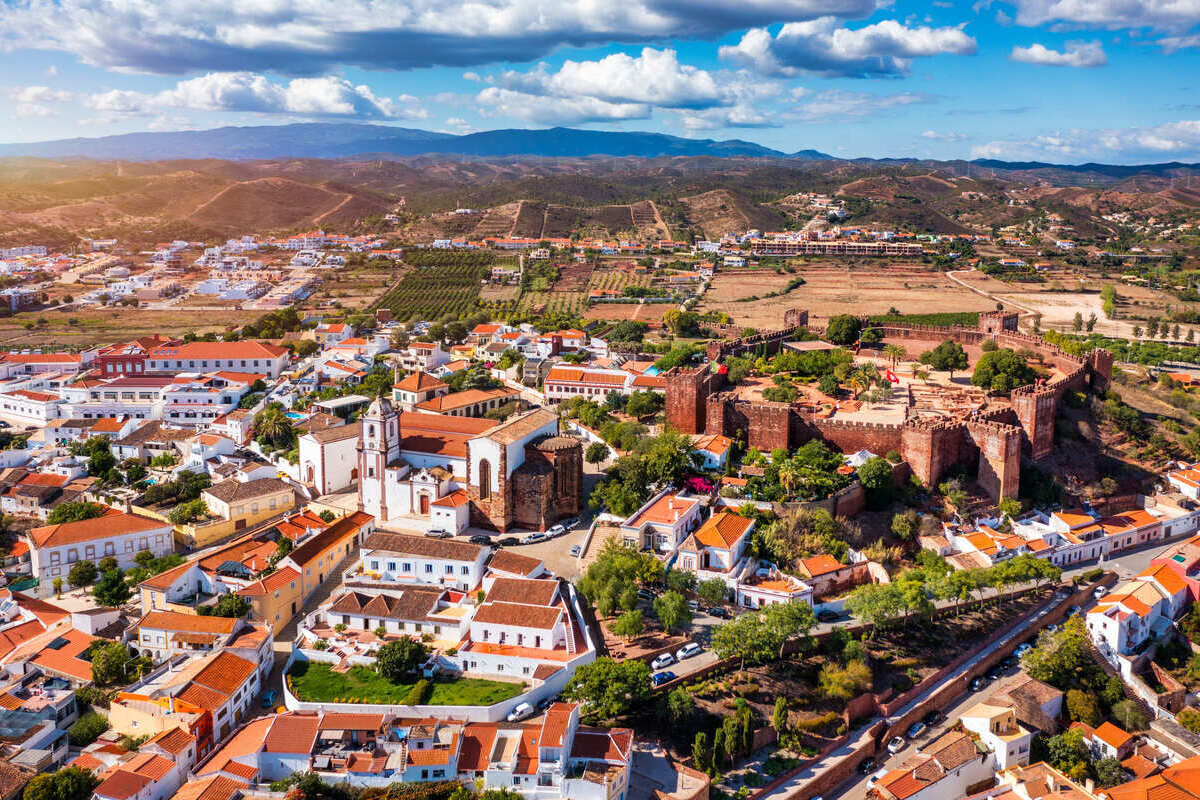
(810, 724)
(87, 729)
(1092, 575)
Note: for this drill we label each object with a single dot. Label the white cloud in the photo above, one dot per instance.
(1169, 141)
(655, 77)
(33, 110)
(1171, 15)
(51, 71)
(1075, 54)
(39, 94)
(944, 136)
(823, 47)
(312, 36)
(248, 92)
(542, 110)
(840, 104)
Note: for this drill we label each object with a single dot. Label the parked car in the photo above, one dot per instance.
(659, 678)
(555, 531)
(508, 541)
(978, 683)
(438, 533)
(719, 611)
(896, 745)
(866, 765)
(825, 615)
(520, 712)
(688, 650)
(694, 606)
(570, 524)
(480, 538)
(1054, 627)
(932, 718)
(1099, 591)
(662, 662)
(1022, 649)
(268, 698)
(645, 594)
(878, 776)
(545, 703)
(534, 538)
(916, 729)
(576, 550)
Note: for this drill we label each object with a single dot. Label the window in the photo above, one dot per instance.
(449, 569)
(406, 567)
(485, 479)
(375, 566)
(428, 569)
(464, 570)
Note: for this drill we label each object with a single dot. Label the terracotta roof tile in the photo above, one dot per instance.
(292, 733)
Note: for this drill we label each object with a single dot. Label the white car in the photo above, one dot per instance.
(1099, 591)
(520, 712)
(662, 662)
(556, 530)
(896, 745)
(534, 538)
(688, 650)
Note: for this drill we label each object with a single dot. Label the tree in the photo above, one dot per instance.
(894, 353)
(1077, 322)
(681, 581)
(57, 583)
(273, 428)
(1108, 300)
(187, 512)
(842, 683)
(83, 573)
(779, 715)
(948, 356)
(843, 329)
(68, 783)
(110, 661)
(629, 625)
(644, 403)
(1002, 371)
(609, 689)
(327, 516)
(87, 729)
(399, 659)
(679, 704)
(112, 590)
(596, 453)
(75, 511)
(876, 477)
(906, 525)
(1009, 507)
(230, 605)
(1082, 707)
(1127, 714)
(1109, 772)
(713, 591)
(758, 636)
(1091, 322)
(672, 611)
(702, 753)
(108, 564)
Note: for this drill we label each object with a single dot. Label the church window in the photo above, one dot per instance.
(485, 479)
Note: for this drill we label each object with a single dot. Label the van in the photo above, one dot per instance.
(520, 711)
(688, 650)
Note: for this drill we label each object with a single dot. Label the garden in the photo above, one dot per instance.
(315, 682)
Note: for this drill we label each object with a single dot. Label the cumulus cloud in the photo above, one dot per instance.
(1075, 54)
(624, 87)
(824, 47)
(312, 36)
(1171, 15)
(540, 110)
(34, 101)
(1169, 141)
(248, 92)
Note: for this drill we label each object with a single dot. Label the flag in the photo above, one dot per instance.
(891, 376)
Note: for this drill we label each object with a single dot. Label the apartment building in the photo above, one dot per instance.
(246, 356)
(54, 549)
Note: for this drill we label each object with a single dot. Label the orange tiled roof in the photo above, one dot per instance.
(114, 523)
(723, 530)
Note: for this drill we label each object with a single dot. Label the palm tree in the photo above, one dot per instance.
(895, 353)
(272, 423)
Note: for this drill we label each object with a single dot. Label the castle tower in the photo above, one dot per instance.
(378, 446)
(1036, 408)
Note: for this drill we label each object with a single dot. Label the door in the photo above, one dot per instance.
(424, 504)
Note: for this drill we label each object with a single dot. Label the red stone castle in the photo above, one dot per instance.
(991, 441)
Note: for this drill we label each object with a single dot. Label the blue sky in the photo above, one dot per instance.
(1059, 80)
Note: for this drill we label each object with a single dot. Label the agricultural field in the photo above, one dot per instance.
(433, 292)
(828, 291)
(615, 280)
(82, 328)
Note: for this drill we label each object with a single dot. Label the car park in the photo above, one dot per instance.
(916, 729)
(688, 650)
(438, 533)
(659, 678)
(896, 745)
(520, 711)
(663, 661)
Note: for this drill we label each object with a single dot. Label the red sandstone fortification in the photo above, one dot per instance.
(992, 441)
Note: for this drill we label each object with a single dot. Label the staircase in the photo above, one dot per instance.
(1112, 672)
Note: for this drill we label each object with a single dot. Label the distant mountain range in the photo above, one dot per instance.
(342, 140)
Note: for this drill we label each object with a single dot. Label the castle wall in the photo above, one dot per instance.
(850, 437)
(999, 448)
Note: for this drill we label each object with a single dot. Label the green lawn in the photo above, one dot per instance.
(317, 683)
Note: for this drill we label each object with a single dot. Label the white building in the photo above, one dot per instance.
(55, 548)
